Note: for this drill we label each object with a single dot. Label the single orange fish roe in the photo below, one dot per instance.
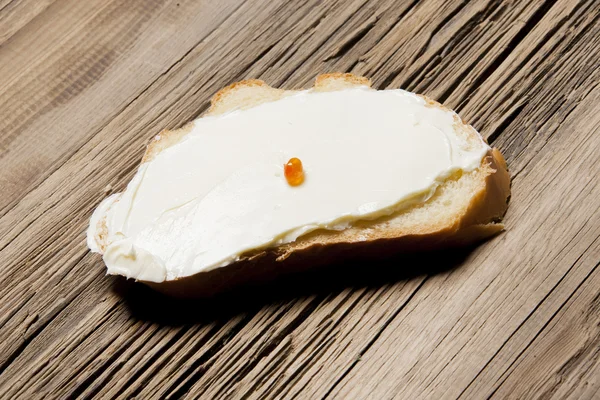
(294, 174)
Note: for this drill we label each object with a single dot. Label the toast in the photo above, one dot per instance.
(465, 209)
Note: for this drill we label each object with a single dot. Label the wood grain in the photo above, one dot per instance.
(85, 84)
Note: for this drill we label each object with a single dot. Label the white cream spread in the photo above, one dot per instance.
(221, 191)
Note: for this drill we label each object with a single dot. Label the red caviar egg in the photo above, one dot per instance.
(294, 174)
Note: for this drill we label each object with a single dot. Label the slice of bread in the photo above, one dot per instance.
(465, 209)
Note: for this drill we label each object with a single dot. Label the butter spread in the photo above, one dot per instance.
(220, 191)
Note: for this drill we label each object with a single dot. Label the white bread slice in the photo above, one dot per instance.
(465, 209)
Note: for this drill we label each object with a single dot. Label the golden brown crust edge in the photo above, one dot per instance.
(480, 221)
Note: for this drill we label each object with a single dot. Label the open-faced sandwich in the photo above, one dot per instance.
(270, 180)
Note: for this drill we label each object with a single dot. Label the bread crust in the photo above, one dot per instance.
(478, 219)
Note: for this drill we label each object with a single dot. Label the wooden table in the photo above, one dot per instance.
(85, 84)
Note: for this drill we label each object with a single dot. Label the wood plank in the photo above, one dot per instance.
(518, 347)
(563, 361)
(14, 15)
(524, 72)
(81, 54)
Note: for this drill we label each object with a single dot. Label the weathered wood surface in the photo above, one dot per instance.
(84, 84)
